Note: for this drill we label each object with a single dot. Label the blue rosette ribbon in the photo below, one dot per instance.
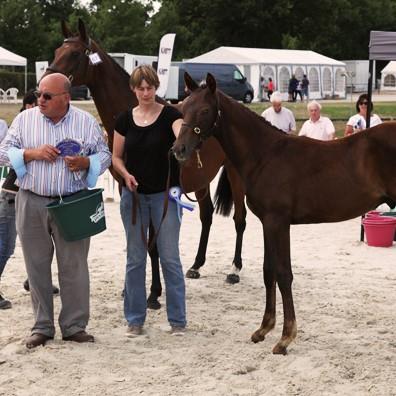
(174, 195)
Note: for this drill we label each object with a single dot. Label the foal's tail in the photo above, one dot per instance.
(223, 200)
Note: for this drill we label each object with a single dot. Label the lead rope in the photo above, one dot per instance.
(136, 206)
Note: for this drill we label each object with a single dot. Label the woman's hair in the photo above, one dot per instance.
(29, 99)
(146, 73)
(363, 98)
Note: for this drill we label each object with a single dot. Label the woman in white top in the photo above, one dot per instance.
(358, 121)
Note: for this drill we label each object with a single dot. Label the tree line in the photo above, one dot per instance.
(336, 28)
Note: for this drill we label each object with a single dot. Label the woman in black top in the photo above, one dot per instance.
(142, 138)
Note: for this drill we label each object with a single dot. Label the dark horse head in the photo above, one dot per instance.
(72, 57)
(201, 117)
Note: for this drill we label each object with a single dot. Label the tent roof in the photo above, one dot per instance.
(389, 68)
(240, 55)
(8, 58)
(382, 45)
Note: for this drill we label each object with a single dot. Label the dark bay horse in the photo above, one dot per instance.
(290, 180)
(109, 86)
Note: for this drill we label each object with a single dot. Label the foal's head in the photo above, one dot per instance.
(72, 57)
(200, 115)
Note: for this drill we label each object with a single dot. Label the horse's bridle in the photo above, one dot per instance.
(88, 51)
(203, 135)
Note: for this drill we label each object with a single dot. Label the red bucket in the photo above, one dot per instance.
(379, 230)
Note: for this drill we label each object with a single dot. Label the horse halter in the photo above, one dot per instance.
(88, 51)
(203, 135)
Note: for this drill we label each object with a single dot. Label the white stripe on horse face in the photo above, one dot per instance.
(235, 270)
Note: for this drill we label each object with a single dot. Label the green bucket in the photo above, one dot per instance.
(80, 215)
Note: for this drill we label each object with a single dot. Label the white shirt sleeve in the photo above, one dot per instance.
(303, 130)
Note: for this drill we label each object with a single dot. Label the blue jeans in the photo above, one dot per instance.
(151, 207)
(7, 228)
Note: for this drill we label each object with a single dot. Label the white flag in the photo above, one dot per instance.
(41, 67)
(164, 61)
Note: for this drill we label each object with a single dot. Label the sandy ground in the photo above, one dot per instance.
(344, 293)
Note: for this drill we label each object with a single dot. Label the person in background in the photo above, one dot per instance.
(7, 212)
(292, 89)
(142, 138)
(7, 225)
(304, 87)
(317, 127)
(3, 129)
(271, 88)
(44, 173)
(278, 115)
(357, 122)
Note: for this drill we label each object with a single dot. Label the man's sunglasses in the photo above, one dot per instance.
(46, 95)
(364, 103)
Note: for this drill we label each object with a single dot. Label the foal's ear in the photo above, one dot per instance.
(65, 30)
(82, 31)
(190, 83)
(211, 82)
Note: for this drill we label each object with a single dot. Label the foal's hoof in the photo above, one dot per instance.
(279, 350)
(193, 274)
(232, 279)
(257, 336)
(153, 303)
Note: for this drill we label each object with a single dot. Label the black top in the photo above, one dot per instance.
(146, 150)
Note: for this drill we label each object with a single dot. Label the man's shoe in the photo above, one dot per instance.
(134, 331)
(178, 331)
(81, 336)
(26, 286)
(36, 340)
(4, 304)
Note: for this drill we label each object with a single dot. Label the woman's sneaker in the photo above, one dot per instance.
(4, 304)
(134, 331)
(177, 330)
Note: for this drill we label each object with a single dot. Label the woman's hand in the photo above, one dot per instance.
(130, 182)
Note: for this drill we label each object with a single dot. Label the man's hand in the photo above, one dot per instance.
(46, 152)
(76, 163)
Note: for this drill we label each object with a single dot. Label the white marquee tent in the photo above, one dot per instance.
(8, 58)
(388, 77)
(326, 75)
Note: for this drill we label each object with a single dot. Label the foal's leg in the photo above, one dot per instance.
(277, 243)
(238, 196)
(156, 288)
(268, 322)
(206, 215)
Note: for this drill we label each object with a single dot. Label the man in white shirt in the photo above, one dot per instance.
(317, 127)
(279, 116)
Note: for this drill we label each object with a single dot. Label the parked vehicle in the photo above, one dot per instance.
(80, 92)
(229, 79)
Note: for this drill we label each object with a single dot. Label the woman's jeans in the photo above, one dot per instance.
(151, 207)
(7, 228)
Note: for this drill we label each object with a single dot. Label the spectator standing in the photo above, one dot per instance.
(279, 116)
(292, 90)
(357, 122)
(271, 88)
(43, 175)
(304, 87)
(317, 127)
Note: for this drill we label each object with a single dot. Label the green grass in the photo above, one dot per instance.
(337, 112)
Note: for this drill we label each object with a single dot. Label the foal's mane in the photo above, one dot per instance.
(250, 114)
